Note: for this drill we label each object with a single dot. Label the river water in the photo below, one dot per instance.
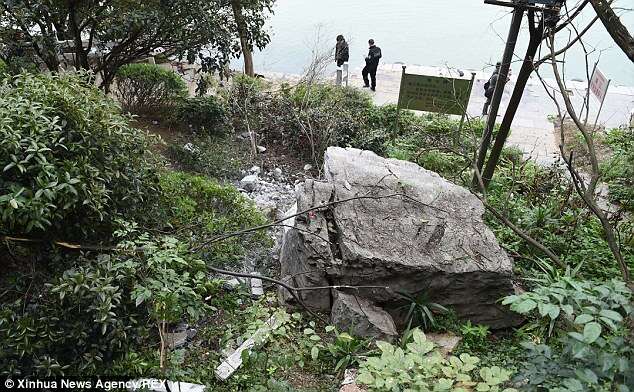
(464, 34)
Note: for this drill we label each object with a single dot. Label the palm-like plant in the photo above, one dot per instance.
(421, 310)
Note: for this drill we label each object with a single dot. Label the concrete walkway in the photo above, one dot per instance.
(532, 132)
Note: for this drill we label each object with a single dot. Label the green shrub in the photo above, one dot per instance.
(4, 69)
(618, 170)
(331, 116)
(419, 367)
(208, 209)
(217, 157)
(148, 88)
(97, 311)
(473, 336)
(590, 348)
(512, 154)
(307, 117)
(71, 161)
(542, 201)
(203, 115)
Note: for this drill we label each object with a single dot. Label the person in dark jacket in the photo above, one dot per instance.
(371, 64)
(342, 52)
(489, 88)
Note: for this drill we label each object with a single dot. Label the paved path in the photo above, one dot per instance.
(532, 132)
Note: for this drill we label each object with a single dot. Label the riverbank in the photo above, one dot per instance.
(532, 131)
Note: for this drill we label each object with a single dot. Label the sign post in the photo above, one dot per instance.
(599, 85)
(464, 114)
(434, 94)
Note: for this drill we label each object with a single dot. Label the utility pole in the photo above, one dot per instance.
(516, 22)
(548, 20)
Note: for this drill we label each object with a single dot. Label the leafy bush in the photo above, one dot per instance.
(618, 170)
(591, 348)
(71, 162)
(591, 305)
(473, 336)
(421, 368)
(309, 117)
(95, 312)
(543, 202)
(4, 69)
(204, 115)
(148, 88)
(202, 208)
(431, 141)
(217, 157)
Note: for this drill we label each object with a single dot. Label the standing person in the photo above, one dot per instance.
(342, 52)
(489, 88)
(371, 64)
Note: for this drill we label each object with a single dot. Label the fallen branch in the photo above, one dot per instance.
(278, 222)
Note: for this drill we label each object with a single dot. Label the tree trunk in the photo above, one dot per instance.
(244, 42)
(81, 55)
(536, 35)
(613, 25)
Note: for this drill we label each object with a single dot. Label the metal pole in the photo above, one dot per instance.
(464, 114)
(511, 41)
(398, 103)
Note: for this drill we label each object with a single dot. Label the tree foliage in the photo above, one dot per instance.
(148, 88)
(71, 162)
(106, 34)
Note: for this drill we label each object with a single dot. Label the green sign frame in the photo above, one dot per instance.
(434, 93)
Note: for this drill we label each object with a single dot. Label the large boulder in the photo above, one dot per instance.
(394, 225)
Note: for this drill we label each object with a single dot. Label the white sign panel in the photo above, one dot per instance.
(599, 84)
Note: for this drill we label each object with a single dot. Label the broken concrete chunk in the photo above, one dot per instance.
(362, 318)
(257, 290)
(234, 361)
(155, 385)
(232, 284)
(349, 383)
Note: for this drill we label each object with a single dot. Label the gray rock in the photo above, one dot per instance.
(176, 339)
(446, 342)
(250, 182)
(277, 173)
(361, 317)
(430, 238)
(308, 167)
(261, 149)
(255, 170)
